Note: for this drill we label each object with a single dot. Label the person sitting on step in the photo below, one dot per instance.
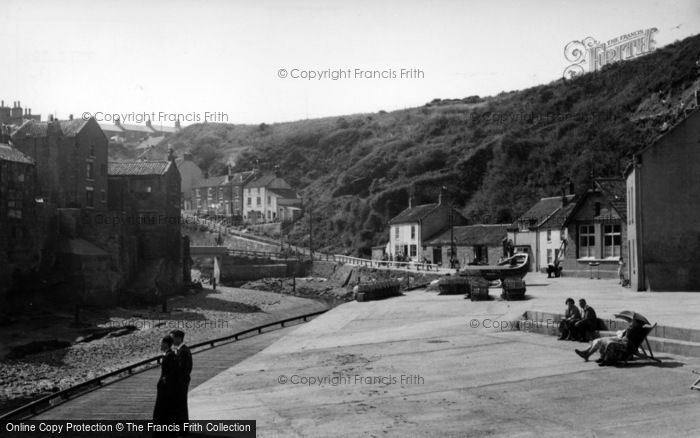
(589, 322)
(571, 316)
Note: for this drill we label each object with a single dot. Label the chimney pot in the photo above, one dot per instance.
(70, 117)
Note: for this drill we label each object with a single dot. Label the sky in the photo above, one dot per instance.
(251, 61)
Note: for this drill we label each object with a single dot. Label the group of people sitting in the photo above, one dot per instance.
(577, 327)
(574, 326)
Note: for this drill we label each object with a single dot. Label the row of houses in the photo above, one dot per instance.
(251, 197)
(147, 135)
(645, 222)
(70, 219)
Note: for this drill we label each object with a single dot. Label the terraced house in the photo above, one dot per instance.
(71, 161)
(269, 198)
(411, 231)
(20, 238)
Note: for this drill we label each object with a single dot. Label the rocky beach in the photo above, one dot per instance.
(45, 350)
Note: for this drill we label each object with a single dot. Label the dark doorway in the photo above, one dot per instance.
(437, 255)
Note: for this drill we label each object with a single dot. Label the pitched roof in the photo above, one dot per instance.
(110, 127)
(137, 128)
(615, 190)
(560, 216)
(134, 168)
(289, 202)
(470, 235)
(240, 177)
(150, 142)
(285, 193)
(269, 181)
(413, 214)
(543, 209)
(210, 182)
(8, 153)
(71, 128)
(165, 129)
(31, 128)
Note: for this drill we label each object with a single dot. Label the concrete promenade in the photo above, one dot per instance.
(429, 365)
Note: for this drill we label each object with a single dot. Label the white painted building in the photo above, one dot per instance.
(410, 230)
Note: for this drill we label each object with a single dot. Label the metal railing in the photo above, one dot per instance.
(386, 264)
(50, 401)
(223, 228)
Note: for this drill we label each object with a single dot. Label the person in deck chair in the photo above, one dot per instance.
(616, 348)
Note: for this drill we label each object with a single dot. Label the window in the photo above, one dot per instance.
(20, 177)
(257, 200)
(597, 208)
(250, 201)
(269, 200)
(396, 232)
(413, 232)
(412, 248)
(586, 241)
(89, 201)
(550, 259)
(612, 239)
(549, 235)
(88, 171)
(103, 195)
(92, 150)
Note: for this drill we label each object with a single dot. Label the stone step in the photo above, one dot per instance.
(658, 344)
(613, 324)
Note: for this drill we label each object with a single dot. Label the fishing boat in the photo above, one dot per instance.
(512, 267)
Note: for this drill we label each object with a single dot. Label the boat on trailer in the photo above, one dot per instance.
(516, 266)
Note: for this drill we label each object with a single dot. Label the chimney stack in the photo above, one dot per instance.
(410, 201)
(70, 117)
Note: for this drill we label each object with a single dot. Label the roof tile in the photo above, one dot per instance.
(133, 168)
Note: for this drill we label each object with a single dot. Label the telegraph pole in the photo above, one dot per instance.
(311, 235)
(452, 238)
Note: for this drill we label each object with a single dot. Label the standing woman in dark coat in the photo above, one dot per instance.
(164, 411)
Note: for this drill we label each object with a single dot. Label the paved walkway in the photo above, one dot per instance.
(417, 365)
(135, 396)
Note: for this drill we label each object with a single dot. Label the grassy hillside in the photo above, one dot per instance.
(495, 155)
